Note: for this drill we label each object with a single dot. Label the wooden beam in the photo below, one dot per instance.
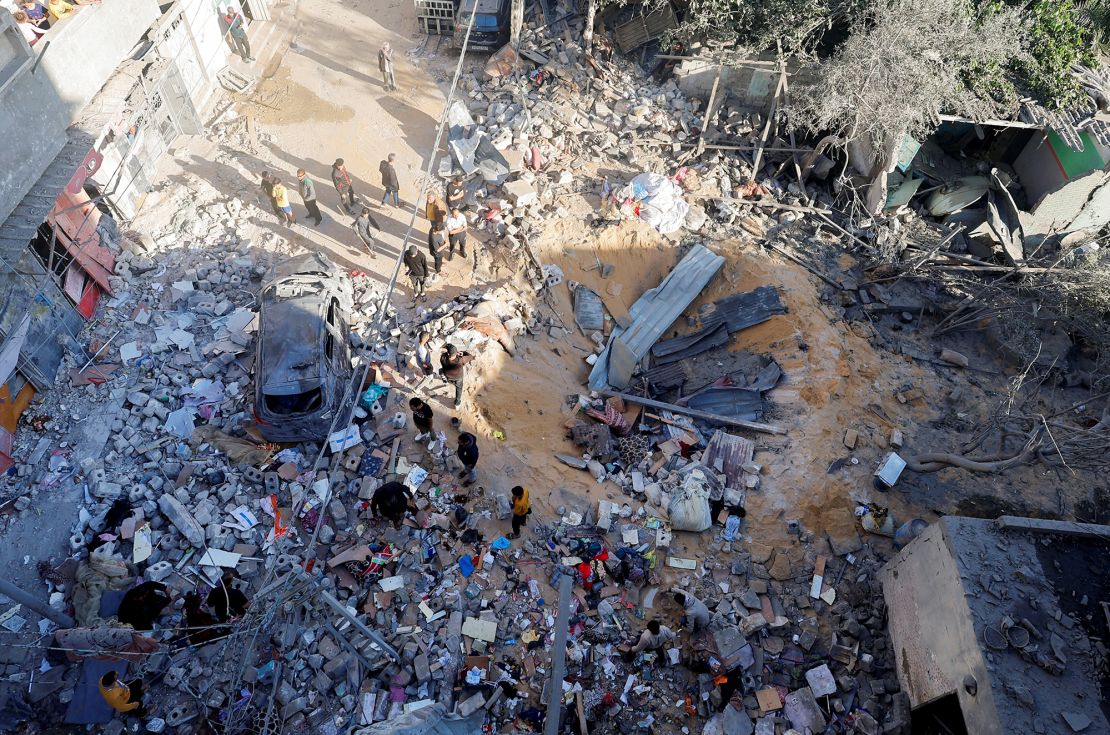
(708, 111)
(767, 129)
(713, 417)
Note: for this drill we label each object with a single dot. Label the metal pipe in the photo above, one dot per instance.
(33, 603)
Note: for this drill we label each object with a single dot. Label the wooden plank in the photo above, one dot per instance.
(716, 418)
(581, 713)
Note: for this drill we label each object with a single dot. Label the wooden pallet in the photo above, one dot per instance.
(436, 17)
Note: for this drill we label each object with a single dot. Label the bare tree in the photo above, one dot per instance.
(906, 61)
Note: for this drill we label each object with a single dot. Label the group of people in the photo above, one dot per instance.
(446, 232)
(35, 18)
(205, 620)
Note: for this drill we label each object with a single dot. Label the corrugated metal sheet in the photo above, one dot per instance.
(729, 453)
(744, 310)
(652, 314)
(732, 401)
(680, 348)
(638, 31)
(667, 376)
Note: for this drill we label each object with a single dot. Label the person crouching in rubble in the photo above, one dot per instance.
(652, 639)
(123, 697)
(390, 501)
(226, 600)
(696, 613)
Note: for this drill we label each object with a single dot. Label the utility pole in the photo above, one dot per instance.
(33, 603)
(516, 21)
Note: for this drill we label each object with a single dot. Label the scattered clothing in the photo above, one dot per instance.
(58, 9)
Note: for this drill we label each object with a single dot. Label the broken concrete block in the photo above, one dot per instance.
(851, 437)
(470, 705)
(804, 713)
(954, 358)
(896, 439)
(521, 193)
(752, 624)
(181, 519)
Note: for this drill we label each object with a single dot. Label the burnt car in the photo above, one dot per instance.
(491, 24)
(303, 366)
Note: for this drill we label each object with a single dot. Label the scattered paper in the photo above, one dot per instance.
(389, 584)
(142, 548)
(219, 558)
(630, 536)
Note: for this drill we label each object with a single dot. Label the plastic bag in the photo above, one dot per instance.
(689, 505)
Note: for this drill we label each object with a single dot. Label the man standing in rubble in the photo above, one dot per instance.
(436, 241)
(385, 66)
(343, 186)
(456, 233)
(468, 455)
(452, 364)
(416, 266)
(367, 228)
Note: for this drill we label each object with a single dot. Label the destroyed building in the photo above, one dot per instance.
(1002, 626)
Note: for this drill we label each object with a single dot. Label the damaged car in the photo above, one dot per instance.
(303, 366)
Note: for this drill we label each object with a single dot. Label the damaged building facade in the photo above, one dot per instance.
(107, 90)
(1001, 626)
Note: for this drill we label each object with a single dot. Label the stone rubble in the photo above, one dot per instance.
(470, 618)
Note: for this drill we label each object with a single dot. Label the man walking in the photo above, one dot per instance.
(416, 266)
(468, 455)
(307, 188)
(456, 233)
(281, 201)
(385, 65)
(522, 506)
(367, 228)
(342, 181)
(238, 32)
(452, 364)
(389, 180)
(436, 240)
